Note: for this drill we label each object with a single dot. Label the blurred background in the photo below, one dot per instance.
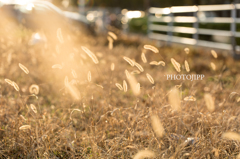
(127, 16)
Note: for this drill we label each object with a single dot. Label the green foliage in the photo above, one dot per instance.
(138, 25)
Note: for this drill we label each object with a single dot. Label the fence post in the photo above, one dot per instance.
(148, 22)
(196, 25)
(170, 26)
(233, 31)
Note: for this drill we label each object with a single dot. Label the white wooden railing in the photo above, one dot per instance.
(166, 15)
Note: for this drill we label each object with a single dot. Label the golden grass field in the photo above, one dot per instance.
(75, 96)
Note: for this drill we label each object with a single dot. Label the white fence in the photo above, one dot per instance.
(166, 15)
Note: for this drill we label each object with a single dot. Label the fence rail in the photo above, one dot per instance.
(166, 15)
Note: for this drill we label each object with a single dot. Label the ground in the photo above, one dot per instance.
(79, 111)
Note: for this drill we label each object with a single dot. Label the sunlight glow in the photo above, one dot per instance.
(90, 17)
(124, 11)
(29, 6)
(134, 14)
(166, 11)
(195, 8)
(19, 2)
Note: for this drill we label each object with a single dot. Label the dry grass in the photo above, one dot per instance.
(86, 115)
